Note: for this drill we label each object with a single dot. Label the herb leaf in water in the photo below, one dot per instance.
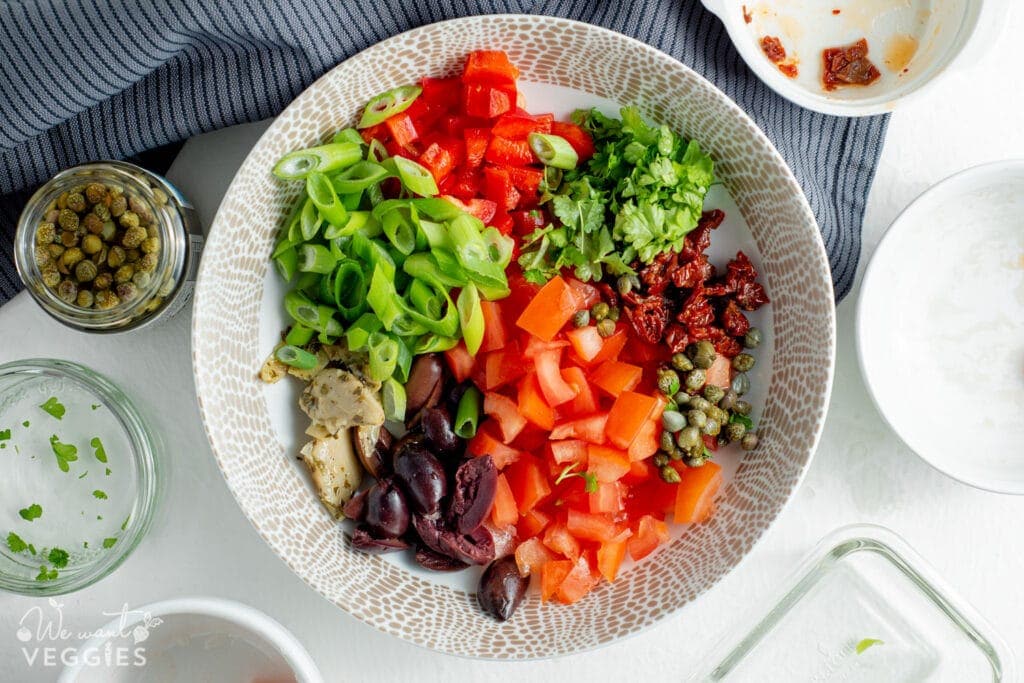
(101, 453)
(866, 643)
(54, 407)
(65, 453)
(33, 511)
(15, 543)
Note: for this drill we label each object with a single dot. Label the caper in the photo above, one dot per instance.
(126, 291)
(728, 399)
(734, 431)
(695, 378)
(140, 209)
(159, 196)
(132, 255)
(92, 223)
(51, 276)
(668, 381)
(51, 216)
(681, 363)
(46, 233)
(624, 285)
(696, 418)
(103, 281)
(115, 257)
(697, 461)
(85, 299)
(109, 231)
(599, 311)
(129, 219)
(682, 399)
(741, 408)
(743, 362)
(717, 414)
(71, 256)
(95, 192)
(118, 205)
(76, 202)
(741, 384)
(67, 290)
(713, 393)
(68, 219)
(68, 238)
(106, 299)
(667, 440)
(91, 244)
(55, 250)
(147, 264)
(142, 279)
(579, 319)
(749, 441)
(752, 339)
(660, 459)
(42, 255)
(152, 231)
(669, 475)
(124, 274)
(133, 236)
(86, 271)
(672, 421)
(688, 438)
(606, 327)
(712, 427)
(700, 403)
(703, 354)
(101, 211)
(614, 313)
(62, 201)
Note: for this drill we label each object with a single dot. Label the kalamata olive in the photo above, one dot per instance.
(425, 377)
(476, 547)
(435, 561)
(429, 531)
(476, 482)
(454, 394)
(373, 444)
(437, 427)
(502, 588)
(422, 477)
(387, 513)
(364, 540)
(355, 508)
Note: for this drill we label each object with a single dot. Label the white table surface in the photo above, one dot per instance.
(201, 544)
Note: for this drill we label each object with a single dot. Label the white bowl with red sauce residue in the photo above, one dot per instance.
(909, 43)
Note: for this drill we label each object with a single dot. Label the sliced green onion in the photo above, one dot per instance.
(358, 177)
(415, 178)
(351, 201)
(383, 298)
(427, 266)
(350, 289)
(473, 253)
(436, 234)
(324, 159)
(387, 104)
(374, 194)
(299, 335)
(316, 258)
(393, 399)
(432, 343)
(297, 358)
(399, 230)
(309, 221)
(348, 135)
(358, 334)
(436, 208)
(471, 318)
(499, 247)
(553, 150)
(404, 363)
(287, 262)
(424, 299)
(373, 253)
(323, 196)
(377, 152)
(318, 317)
(357, 221)
(552, 178)
(308, 283)
(446, 323)
(467, 415)
(404, 326)
(383, 351)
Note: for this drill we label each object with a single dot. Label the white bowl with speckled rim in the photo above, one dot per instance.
(254, 429)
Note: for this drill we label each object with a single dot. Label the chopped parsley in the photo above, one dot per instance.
(58, 557)
(82, 475)
(5, 434)
(33, 511)
(95, 406)
(108, 471)
(124, 524)
(65, 453)
(99, 495)
(101, 454)
(109, 542)
(26, 423)
(589, 477)
(16, 544)
(46, 574)
(736, 418)
(54, 407)
(866, 643)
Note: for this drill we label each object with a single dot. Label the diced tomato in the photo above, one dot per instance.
(504, 410)
(549, 310)
(489, 66)
(710, 442)
(585, 401)
(504, 510)
(607, 464)
(588, 294)
(378, 132)
(552, 574)
(536, 346)
(526, 222)
(505, 152)
(531, 555)
(646, 442)
(403, 130)
(652, 497)
(568, 451)
(495, 335)
(532, 405)
(526, 180)
(499, 189)
(528, 482)
(443, 92)
(607, 497)
(558, 539)
(502, 222)
(532, 523)
(590, 429)
(459, 361)
(554, 387)
(639, 472)
(503, 366)
(487, 101)
(609, 557)
(612, 346)
(476, 140)
(575, 136)
(695, 494)
(487, 441)
(720, 372)
(650, 533)
(643, 353)
(437, 160)
(516, 126)
(615, 377)
(585, 341)
(591, 527)
(577, 583)
(630, 412)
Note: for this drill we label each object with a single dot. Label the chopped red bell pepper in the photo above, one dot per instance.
(505, 152)
(403, 130)
(438, 160)
(487, 101)
(516, 126)
(489, 66)
(499, 189)
(524, 222)
(443, 92)
(526, 180)
(476, 140)
(575, 136)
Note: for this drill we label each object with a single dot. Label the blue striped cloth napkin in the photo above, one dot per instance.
(82, 80)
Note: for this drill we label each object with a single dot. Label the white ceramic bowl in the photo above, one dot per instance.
(193, 640)
(940, 326)
(911, 42)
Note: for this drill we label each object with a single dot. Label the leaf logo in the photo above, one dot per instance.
(140, 634)
(23, 634)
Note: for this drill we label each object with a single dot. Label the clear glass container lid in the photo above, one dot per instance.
(865, 607)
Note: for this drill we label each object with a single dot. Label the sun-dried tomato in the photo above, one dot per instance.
(696, 311)
(608, 293)
(751, 296)
(694, 273)
(723, 343)
(733, 320)
(676, 338)
(655, 276)
(649, 317)
(738, 271)
(698, 241)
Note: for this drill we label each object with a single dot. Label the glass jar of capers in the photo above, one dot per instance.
(108, 247)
